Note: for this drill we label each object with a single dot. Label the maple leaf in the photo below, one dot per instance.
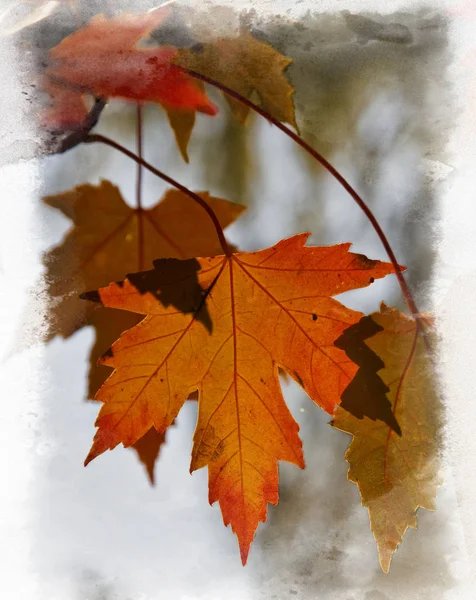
(104, 60)
(67, 108)
(245, 65)
(269, 309)
(396, 474)
(182, 124)
(109, 238)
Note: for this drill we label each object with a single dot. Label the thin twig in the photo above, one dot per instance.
(96, 137)
(140, 223)
(139, 154)
(408, 296)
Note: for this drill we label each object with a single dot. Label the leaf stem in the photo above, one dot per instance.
(96, 137)
(140, 224)
(407, 295)
(139, 154)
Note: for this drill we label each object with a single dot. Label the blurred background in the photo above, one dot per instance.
(371, 95)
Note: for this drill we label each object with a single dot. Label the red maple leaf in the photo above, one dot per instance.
(104, 60)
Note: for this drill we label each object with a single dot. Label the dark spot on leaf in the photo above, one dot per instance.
(314, 317)
(371, 280)
(218, 451)
(108, 354)
(365, 263)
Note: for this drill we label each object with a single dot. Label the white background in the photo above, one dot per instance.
(102, 532)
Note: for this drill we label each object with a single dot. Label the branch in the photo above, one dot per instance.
(79, 135)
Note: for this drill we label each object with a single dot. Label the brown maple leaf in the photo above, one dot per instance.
(396, 474)
(104, 60)
(245, 65)
(108, 240)
(148, 449)
(269, 309)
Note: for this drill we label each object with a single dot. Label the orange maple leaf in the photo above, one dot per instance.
(252, 313)
(104, 60)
